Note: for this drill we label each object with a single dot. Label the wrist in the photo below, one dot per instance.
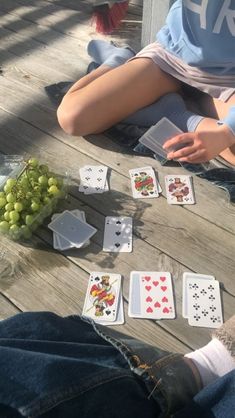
(227, 134)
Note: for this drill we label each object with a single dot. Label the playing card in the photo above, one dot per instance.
(179, 190)
(187, 276)
(93, 179)
(204, 303)
(60, 243)
(143, 183)
(120, 313)
(102, 296)
(155, 137)
(118, 234)
(68, 226)
(151, 295)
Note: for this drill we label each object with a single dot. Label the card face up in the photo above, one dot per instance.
(204, 303)
(179, 190)
(187, 276)
(143, 183)
(102, 297)
(158, 134)
(118, 234)
(93, 179)
(72, 229)
(151, 295)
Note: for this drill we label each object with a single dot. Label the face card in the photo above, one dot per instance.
(102, 296)
(204, 303)
(68, 226)
(151, 295)
(143, 183)
(179, 190)
(158, 134)
(93, 179)
(120, 313)
(118, 234)
(187, 276)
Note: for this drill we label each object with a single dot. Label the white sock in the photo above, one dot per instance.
(212, 361)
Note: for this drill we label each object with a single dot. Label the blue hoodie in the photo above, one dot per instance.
(202, 34)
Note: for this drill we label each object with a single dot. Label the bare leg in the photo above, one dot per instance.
(106, 96)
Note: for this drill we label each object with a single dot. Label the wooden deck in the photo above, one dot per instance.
(43, 42)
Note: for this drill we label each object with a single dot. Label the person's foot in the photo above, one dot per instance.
(103, 52)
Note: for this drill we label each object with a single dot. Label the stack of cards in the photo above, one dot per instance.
(201, 303)
(155, 137)
(151, 295)
(179, 190)
(93, 179)
(104, 302)
(70, 230)
(144, 184)
(118, 234)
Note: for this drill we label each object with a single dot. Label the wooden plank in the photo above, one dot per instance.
(211, 201)
(154, 15)
(145, 256)
(59, 285)
(7, 309)
(176, 227)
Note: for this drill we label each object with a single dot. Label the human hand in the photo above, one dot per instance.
(200, 146)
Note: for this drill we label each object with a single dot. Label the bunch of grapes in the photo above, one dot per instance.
(27, 200)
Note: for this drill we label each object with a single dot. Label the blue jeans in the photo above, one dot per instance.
(67, 367)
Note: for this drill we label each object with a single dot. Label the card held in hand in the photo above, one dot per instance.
(102, 296)
(204, 303)
(179, 190)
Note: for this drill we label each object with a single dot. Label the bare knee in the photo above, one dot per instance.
(74, 120)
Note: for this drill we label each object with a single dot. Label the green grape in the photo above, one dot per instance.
(35, 206)
(6, 189)
(43, 180)
(2, 194)
(33, 162)
(15, 229)
(43, 169)
(46, 200)
(11, 183)
(33, 175)
(18, 206)
(52, 181)
(7, 216)
(14, 216)
(10, 198)
(9, 206)
(29, 220)
(29, 195)
(25, 231)
(53, 190)
(4, 226)
(2, 202)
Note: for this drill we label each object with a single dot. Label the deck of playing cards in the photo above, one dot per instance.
(70, 230)
(104, 302)
(201, 303)
(155, 137)
(118, 234)
(144, 184)
(179, 190)
(151, 295)
(93, 179)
